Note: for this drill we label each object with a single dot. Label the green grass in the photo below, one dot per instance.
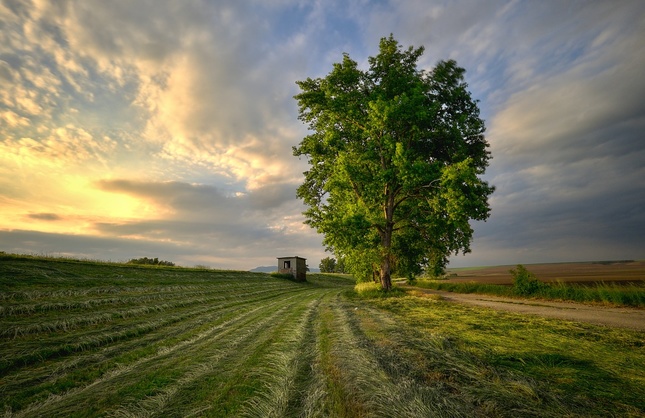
(607, 293)
(83, 338)
(561, 368)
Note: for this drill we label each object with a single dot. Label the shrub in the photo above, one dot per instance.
(150, 261)
(524, 282)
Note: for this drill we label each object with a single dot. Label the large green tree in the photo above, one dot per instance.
(396, 154)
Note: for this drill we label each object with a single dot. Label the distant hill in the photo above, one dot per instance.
(264, 269)
(270, 269)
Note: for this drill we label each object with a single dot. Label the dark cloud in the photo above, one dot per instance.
(102, 248)
(233, 226)
(567, 142)
(193, 198)
(44, 216)
(217, 248)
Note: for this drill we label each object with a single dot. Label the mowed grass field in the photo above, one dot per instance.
(81, 339)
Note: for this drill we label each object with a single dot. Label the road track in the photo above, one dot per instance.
(623, 317)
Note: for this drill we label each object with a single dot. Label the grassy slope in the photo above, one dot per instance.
(88, 339)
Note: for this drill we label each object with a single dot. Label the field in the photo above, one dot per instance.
(91, 339)
(575, 273)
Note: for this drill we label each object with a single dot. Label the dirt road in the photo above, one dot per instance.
(632, 318)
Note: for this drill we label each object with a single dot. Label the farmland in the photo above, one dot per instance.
(617, 272)
(84, 338)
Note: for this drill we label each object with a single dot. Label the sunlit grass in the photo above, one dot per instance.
(372, 289)
(568, 368)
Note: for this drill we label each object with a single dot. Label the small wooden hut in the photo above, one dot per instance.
(296, 266)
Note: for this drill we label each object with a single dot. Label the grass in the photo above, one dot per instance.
(83, 338)
(607, 293)
(375, 290)
(561, 368)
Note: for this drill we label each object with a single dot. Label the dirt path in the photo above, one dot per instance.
(633, 318)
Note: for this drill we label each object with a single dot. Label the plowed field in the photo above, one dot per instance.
(581, 273)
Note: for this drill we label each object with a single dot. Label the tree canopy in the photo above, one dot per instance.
(331, 265)
(395, 154)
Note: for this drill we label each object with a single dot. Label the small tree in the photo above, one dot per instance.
(524, 282)
(327, 265)
(151, 261)
(395, 156)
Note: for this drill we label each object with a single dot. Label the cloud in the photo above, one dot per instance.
(59, 148)
(182, 199)
(193, 210)
(171, 124)
(215, 92)
(578, 131)
(44, 216)
(195, 224)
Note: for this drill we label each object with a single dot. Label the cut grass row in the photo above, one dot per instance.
(18, 325)
(143, 359)
(275, 348)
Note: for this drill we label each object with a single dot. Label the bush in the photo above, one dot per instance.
(150, 261)
(524, 282)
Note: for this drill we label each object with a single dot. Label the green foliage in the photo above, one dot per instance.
(331, 265)
(150, 261)
(525, 283)
(396, 154)
(340, 266)
(327, 265)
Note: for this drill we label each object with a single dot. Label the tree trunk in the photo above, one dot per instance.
(386, 243)
(386, 279)
(386, 240)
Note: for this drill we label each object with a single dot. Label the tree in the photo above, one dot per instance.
(340, 265)
(331, 265)
(524, 282)
(327, 265)
(150, 261)
(395, 154)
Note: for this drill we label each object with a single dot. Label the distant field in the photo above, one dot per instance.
(581, 273)
(84, 339)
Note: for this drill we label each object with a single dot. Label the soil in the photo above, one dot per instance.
(633, 318)
(617, 272)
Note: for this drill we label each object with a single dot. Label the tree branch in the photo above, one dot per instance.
(415, 195)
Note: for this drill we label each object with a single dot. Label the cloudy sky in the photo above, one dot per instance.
(164, 128)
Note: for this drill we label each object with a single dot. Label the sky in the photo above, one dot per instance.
(165, 129)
